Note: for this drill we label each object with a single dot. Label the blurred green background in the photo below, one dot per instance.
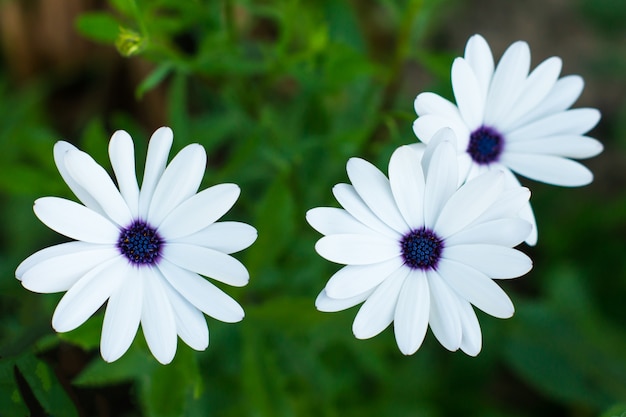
(281, 94)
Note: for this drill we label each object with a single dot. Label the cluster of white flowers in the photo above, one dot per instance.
(424, 245)
(420, 248)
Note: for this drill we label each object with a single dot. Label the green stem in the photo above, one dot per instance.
(139, 18)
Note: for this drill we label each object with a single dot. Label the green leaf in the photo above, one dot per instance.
(343, 25)
(547, 348)
(46, 387)
(98, 26)
(167, 390)
(261, 386)
(277, 209)
(11, 401)
(125, 7)
(618, 410)
(153, 79)
(133, 365)
(177, 107)
(87, 336)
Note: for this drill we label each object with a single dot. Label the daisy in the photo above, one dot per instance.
(419, 250)
(143, 250)
(507, 119)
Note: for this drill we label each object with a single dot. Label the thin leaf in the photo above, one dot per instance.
(46, 387)
(153, 79)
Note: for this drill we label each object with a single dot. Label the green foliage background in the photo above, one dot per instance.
(281, 94)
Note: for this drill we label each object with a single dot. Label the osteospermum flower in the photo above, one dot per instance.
(419, 250)
(143, 250)
(507, 119)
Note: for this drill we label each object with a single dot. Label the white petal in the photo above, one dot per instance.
(179, 181)
(352, 280)
(443, 135)
(433, 104)
(377, 312)
(564, 93)
(332, 220)
(75, 221)
(527, 214)
(227, 237)
(425, 127)
(357, 249)
(536, 88)
(412, 312)
(512, 202)
(493, 260)
(471, 341)
(441, 181)
(407, 185)
(122, 316)
(347, 196)
(96, 181)
(525, 211)
(330, 305)
(509, 203)
(507, 82)
(478, 56)
(419, 148)
(570, 122)
(122, 155)
(476, 287)
(569, 146)
(89, 293)
(468, 94)
(469, 202)
(468, 169)
(157, 317)
(201, 293)
(199, 211)
(190, 322)
(156, 159)
(505, 232)
(208, 262)
(476, 170)
(549, 169)
(60, 149)
(374, 189)
(51, 252)
(59, 273)
(444, 315)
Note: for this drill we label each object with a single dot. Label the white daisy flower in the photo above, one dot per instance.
(419, 249)
(510, 120)
(143, 250)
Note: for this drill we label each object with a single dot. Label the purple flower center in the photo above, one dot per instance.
(486, 145)
(421, 249)
(140, 243)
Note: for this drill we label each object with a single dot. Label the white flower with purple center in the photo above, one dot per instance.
(507, 119)
(142, 251)
(419, 250)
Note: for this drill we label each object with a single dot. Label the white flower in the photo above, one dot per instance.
(419, 250)
(510, 120)
(142, 250)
